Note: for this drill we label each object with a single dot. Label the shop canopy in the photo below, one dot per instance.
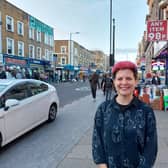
(69, 67)
(162, 54)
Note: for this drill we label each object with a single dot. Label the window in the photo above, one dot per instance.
(38, 52)
(63, 61)
(18, 92)
(37, 88)
(51, 41)
(10, 46)
(20, 28)
(63, 49)
(31, 51)
(47, 54)
(46, 38)
(31, 33)
(9, 24)
(38, 36)
(20, 48)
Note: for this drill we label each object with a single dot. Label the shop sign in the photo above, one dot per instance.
(15, 61)
(158, 66)
(157, 30)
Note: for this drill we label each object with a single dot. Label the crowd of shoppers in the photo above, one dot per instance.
(16, 72)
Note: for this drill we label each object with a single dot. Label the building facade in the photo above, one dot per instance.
(25, 41)
(148, 51)
(74, 59)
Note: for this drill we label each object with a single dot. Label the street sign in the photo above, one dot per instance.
(157, 30)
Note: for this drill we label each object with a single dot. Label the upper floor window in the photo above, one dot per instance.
(20, 48)
(38, 53)
(46, 38)
(76, 51)
(31, 51)
(47, 56)
(63, 60)
(20, 28)
(51, 41)
(9, 23)
(31, 33)
(63, 49)
(38, 36)
(10, 46)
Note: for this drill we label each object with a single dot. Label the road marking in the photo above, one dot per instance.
(85, 88)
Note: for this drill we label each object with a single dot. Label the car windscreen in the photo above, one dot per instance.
(2, 87)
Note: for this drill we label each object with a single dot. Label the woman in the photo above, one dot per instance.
(124, 133)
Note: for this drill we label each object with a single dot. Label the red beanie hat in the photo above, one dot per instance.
(124, 65)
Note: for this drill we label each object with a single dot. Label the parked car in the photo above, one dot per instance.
(24, 104)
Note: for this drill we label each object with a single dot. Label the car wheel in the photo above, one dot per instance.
(52, 113)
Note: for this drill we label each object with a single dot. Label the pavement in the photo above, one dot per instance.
(80, 156)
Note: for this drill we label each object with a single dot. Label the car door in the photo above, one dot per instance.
(40, 99)
(18, 118)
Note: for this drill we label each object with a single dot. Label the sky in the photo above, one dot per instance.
(92, 19)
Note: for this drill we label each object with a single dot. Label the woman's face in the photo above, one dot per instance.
(125, 82)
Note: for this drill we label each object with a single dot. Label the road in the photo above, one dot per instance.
(69, 92)
(45, 146)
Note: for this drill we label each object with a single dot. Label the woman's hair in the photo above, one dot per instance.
(125, 65)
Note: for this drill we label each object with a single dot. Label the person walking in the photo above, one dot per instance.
(155, 79)
(94, 84)
(124, 133)
(108, 86)
(2, 72)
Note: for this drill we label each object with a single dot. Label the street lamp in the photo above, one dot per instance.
(111, 56)
(70, 48)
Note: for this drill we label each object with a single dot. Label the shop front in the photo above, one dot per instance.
(15, 61)
(69, 72)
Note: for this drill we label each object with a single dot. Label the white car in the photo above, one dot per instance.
(24, 104)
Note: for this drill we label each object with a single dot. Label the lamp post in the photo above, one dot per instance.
(70, 46)
(110, 56)
(113, 59)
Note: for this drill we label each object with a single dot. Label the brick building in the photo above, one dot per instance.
(25, 41)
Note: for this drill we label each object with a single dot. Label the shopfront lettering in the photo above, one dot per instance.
(15, 61)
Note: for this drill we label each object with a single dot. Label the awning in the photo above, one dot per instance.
(69, 67)
(163, 53)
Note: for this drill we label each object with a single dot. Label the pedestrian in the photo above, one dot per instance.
(102, 83)
(155, 79)
(2, 72)
(108, 86)
(94, 84)
(124, 133)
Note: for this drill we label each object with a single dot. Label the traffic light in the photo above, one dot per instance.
(54, 57)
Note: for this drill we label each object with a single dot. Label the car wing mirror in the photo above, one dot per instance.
(11, 102)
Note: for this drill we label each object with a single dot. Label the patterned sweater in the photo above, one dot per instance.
(124, 136)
